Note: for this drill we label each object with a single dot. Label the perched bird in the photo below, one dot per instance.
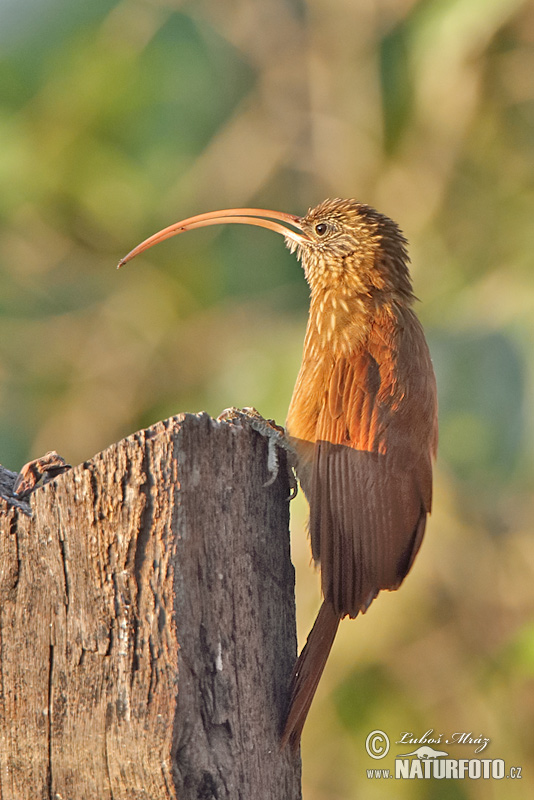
(363, 416)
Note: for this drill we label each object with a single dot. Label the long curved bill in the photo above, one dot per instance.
(276, 221)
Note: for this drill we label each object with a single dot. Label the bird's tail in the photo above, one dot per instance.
(308, 671)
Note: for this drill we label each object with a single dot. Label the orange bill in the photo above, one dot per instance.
(289, 225)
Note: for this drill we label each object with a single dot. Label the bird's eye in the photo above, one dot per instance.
(321, 228)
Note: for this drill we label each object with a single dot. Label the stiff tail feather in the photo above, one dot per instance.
(308, 671)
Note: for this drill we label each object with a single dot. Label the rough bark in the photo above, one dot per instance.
(147, 629)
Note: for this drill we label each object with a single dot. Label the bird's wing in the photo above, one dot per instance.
(371, 472)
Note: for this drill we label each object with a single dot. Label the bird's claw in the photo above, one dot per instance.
(276, 437)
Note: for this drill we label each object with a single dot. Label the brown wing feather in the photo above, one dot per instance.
(371, 474)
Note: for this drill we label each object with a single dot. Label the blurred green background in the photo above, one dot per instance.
(118, 118)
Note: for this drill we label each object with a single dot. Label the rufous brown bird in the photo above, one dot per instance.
(363, 416)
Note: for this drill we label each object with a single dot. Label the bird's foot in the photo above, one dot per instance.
(276, 437)
(47, 467)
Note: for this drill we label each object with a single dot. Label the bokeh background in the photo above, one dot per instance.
(118, 118)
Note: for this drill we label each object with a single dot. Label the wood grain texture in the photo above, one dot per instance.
(147, 623)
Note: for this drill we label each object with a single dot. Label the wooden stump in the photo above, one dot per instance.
(147, 623)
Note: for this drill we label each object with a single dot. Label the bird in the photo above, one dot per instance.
(362, 420)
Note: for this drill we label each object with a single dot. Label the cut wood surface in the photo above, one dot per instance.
(147, 623)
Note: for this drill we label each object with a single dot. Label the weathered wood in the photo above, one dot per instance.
(147, 623)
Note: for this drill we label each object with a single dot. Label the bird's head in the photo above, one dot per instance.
(340, 242)
(350, 243)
